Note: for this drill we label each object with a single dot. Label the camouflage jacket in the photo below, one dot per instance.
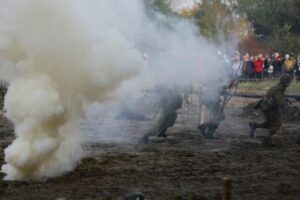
(274, 98)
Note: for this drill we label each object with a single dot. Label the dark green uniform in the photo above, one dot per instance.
(171, 100)
(271, 105)
(215, 99)
(273, 101)
(217, 116)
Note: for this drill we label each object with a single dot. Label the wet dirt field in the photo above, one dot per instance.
(185, 166)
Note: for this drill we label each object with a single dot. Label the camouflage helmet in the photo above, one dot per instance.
(285, 79)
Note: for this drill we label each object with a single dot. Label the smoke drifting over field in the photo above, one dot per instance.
(61, 55)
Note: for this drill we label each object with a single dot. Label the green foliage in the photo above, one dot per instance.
(294, 88)
(209, 16)
(263, 86)
(218, 21)
(257, 86)
(161, 6)
(276, 21)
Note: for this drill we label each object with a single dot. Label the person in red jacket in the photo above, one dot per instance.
(258, 66)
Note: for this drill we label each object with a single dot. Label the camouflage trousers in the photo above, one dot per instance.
(272, 122)
(165, 121)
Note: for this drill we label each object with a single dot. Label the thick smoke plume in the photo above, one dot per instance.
(58, 55)
(176, 56)
(61, 55)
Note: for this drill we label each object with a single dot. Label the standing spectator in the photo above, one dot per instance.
(267, 63)
(289, 64)
(226, 68)
(244, 70)
(237, 65)
(249, 67)
(286, 57)
(258, 67)
(271, 72)
(277, 64)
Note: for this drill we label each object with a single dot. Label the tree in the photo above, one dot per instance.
(162, 6)
(275, 21)
(217, 20)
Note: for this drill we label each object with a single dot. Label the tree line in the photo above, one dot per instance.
(273, 23)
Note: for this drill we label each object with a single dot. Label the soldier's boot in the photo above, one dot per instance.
(145, 139)
(211, 136)
(208, 130)
(162, 133)
(252, 126)
(210, 133)
(202, 128)
(267, 142)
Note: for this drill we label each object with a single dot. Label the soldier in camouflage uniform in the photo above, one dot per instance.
(215, 97)
(271, 105)
(215, 103)
(171, 100)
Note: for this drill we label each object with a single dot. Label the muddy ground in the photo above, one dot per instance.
(184, 166)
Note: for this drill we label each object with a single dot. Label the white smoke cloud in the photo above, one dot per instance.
(57, 55)
(177, 55)
(61, 55)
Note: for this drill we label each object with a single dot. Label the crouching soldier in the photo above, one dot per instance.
(215, 103)
(171, 100)
(271, 105)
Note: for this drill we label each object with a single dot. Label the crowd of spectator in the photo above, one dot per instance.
(264, 67)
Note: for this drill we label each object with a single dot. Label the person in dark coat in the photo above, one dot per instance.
(267, 63)
(277, 62)
(250, 68)
(297, 69)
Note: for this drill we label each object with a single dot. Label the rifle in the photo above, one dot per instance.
(233, 83)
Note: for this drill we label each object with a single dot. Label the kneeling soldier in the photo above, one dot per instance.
(171, 101)
(271, 105)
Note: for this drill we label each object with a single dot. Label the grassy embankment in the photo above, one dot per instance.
(265, 85)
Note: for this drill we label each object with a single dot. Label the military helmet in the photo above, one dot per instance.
(285, 78)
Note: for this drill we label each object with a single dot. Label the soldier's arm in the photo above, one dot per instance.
(280, 99)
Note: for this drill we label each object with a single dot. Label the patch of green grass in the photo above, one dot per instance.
(294, 88)
(265, 85)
